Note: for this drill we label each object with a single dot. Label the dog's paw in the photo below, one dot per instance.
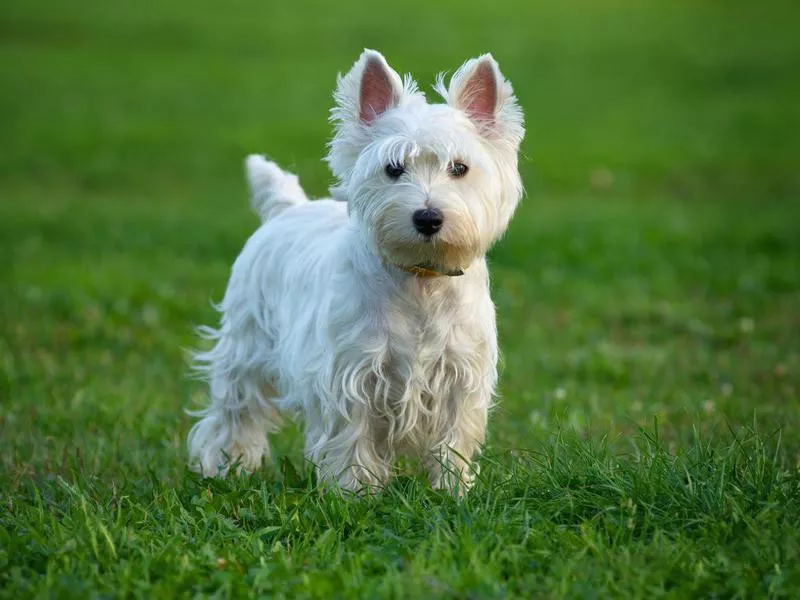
(215, 449)
(218, 463)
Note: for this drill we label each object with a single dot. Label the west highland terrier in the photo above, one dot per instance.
(369, 314)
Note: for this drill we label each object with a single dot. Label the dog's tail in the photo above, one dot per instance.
(272, 190)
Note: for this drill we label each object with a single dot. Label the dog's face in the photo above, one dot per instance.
(430, 184)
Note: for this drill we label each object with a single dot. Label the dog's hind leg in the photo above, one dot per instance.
(233, 430)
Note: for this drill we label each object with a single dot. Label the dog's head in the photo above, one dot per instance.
(429, 184)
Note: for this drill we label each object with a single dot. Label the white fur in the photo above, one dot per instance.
(318, 320)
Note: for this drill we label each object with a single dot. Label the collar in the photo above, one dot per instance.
(428, 271)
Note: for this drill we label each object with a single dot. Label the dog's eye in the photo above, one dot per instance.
(394, 171)
(457, 169)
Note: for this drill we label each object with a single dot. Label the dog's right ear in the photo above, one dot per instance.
(368, 90)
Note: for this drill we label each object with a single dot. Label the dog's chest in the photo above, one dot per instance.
(417, 344)
(430, 345)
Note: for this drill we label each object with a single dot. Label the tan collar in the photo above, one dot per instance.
(428, 271)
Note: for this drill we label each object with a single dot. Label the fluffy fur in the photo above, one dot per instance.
(321, 317)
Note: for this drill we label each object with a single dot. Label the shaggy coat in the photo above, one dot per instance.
(326, 315)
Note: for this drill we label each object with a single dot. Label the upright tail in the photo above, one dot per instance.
(272, 190)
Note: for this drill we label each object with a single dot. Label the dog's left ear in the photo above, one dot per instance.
(479, 89)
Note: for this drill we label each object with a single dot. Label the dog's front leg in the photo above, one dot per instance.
(450, 464)
(346, 452)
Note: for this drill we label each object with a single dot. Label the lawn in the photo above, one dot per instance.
(647, 437)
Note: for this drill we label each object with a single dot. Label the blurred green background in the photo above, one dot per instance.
(651, 275)
(652, 270)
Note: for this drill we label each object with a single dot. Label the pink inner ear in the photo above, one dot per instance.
(377, 93)
(479, 96)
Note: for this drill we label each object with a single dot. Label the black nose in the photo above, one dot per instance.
(427, 221)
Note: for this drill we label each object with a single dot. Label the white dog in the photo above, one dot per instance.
(371, 317)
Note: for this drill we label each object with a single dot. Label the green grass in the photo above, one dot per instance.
(647, 441)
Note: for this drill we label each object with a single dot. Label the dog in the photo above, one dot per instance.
(368, 314)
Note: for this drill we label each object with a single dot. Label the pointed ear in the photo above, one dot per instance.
(378, 90)
(474, 89)
(479, 89)
(369, 89)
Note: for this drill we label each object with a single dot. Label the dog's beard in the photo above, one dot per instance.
(453, 248)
